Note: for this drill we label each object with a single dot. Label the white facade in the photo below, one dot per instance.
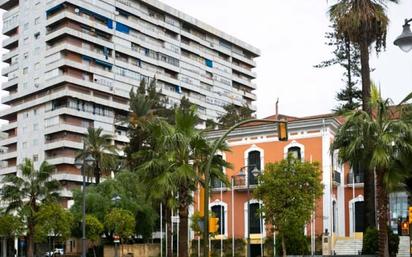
(72, 64)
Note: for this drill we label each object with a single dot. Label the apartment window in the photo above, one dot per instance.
(36, 65)
(26, 114)
(255, 223)
(35, 157)
(25, 70)
(35, 112)
(25, 55)
(36, 82)
(37, 35)
(26, 26)
(26, 41)
(35, 127)
(37, 21)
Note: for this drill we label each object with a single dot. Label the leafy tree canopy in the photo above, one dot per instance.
(234, 114)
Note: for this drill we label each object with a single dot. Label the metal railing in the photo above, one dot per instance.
(359, 178)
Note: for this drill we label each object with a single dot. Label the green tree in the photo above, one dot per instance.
(234, 114)
(347, 56)
(363, 22)
(11, 225)
(94, 230)
(380, 139)
(289, 190)
(121, 223)
(52, 220)
(99, 146)
(25, 194)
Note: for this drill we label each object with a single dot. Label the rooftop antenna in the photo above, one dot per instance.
(277, 108)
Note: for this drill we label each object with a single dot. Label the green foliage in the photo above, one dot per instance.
(296, 242)
(289, 189)
(26, 193)
(131, 192)
(347, 56)
(234, 114)
(98, 145)
(11, 225)
(53, 220)
(120, 222)
(94, 229)
(371, 242)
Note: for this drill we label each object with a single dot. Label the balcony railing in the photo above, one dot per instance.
(336, 177)
(359, 178)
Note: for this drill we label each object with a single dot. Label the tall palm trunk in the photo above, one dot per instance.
(30, 241)
(369, 181)
(183, 223)
(168, 214)
(382, 215)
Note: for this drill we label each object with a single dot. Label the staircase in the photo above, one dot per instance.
(403, 247)
(348, 246)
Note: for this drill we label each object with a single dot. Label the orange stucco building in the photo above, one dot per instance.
(256, 145)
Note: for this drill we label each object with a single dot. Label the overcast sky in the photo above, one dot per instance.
(290, 34)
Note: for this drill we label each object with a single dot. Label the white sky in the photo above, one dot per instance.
(290, 34)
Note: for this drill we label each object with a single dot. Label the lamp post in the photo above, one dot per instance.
(282, 135)
(256, 174)
(80, 164)
(243, 174)
(116, 199)
(404, 40)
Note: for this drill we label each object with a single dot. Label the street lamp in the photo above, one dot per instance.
(243, 174)
(116, 199)
(80, 164)
(404, 40)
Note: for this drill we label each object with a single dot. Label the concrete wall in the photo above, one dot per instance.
(138, 250)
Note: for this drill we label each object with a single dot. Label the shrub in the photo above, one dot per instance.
(296, 243)
(370, 242)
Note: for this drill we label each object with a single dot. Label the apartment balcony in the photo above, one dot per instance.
(9, 126)
(87, 36)
(336, 177)
(10, 83)
(355, 179)
(65, 127)
(11, 42)
(8, 4)
(63, 144)
(8, 141)
(7, 56)
(9, 26)
(244, 59)
(8, 155)
(60, 160)
(8, 69)
(8, 170)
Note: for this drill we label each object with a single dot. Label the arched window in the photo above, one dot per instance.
(255, 224)
(219, 212)
(295, 152)
(253, 162)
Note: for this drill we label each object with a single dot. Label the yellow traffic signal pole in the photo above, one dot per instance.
(282, 135)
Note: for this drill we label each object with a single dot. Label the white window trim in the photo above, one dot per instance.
(221, 203)
(245, 217)
(294, 144)
(246, 159)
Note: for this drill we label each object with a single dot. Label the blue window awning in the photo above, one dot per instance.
(103, 63)
(209, 63)
(122, 28)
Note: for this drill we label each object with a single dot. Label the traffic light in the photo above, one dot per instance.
(213, 225)
(410, 215)
(283, 131)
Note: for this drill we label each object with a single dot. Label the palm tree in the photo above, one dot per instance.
(381, 140)
(24, 194)
(99, 146)
(363, 22)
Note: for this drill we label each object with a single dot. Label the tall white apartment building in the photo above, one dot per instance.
(72, 64)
